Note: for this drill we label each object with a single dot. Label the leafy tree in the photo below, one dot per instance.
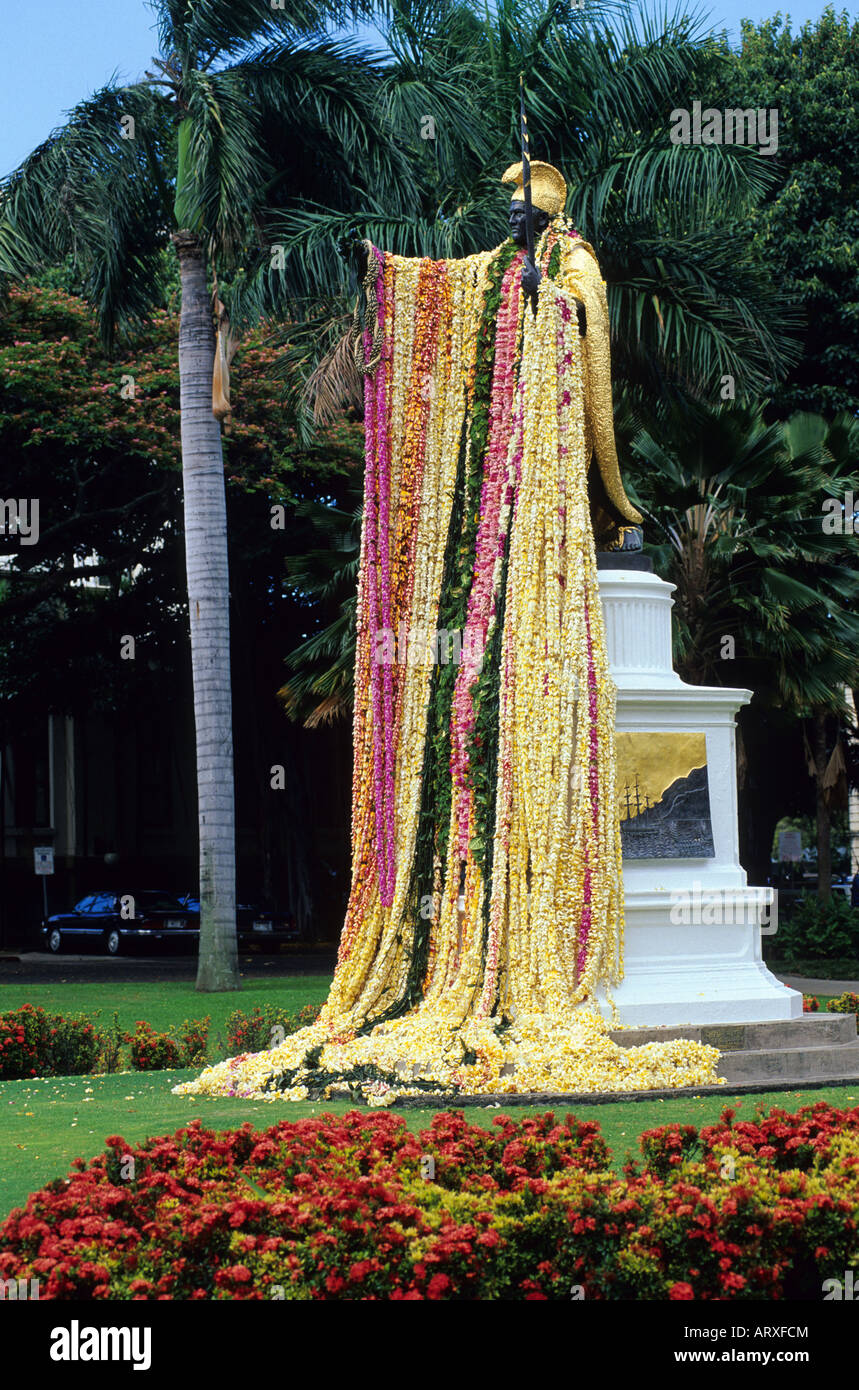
(689, 302)
(248, 106)
(103, 433)
(806, 229)
(767, 594)
(106, 468)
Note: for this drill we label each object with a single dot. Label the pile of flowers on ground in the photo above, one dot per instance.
(359, 1208)
(417, 1054)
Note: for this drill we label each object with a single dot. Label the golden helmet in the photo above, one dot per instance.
(548, 186)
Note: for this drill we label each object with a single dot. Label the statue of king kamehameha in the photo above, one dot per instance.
(485, 916)
(615, 520)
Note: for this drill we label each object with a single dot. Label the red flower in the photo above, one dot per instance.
(733, 1281)
(681, 1290)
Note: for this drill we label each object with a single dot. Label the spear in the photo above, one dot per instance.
(526, 181)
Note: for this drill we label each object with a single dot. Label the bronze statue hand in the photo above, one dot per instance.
(531, 277)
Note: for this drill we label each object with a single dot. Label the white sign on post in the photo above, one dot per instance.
(44, 859)
(790, 846)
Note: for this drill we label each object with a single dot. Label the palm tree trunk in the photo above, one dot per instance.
(209, 608)
(824, 843)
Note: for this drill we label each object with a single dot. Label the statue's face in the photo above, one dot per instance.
(517, 222)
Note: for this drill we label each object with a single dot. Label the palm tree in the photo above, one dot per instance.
(249, 109)
(766, 597)
(688, 303)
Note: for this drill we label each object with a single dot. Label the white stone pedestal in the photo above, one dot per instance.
(693, 926)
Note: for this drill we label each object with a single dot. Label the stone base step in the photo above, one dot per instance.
(814, 1047)
(809, 1063)
(793, 1054)
(811, 1030)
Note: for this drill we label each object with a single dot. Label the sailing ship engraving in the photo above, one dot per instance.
(672, 824)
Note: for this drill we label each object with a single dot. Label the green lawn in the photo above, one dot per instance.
(167, 1002)
(46, 1124)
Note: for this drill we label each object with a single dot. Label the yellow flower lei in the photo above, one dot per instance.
(507, 1012)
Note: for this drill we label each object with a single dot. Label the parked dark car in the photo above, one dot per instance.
(254, 923)
(104, 921)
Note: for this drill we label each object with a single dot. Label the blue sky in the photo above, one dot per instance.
(55, 52)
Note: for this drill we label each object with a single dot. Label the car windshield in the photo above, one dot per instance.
(153, 901)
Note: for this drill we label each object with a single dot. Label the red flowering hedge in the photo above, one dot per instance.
(151, 1051)
(787, 1141)
(266, 1025)
(36, 1043)
(358, 1208)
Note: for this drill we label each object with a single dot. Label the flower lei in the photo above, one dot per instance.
(488, 783)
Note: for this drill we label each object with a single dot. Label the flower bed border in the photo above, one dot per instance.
(358, 1207)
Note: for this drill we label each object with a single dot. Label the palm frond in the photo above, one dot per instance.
(203, 30)
(228, 169)
(739, 502)
(89, 191)
(334, 384)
